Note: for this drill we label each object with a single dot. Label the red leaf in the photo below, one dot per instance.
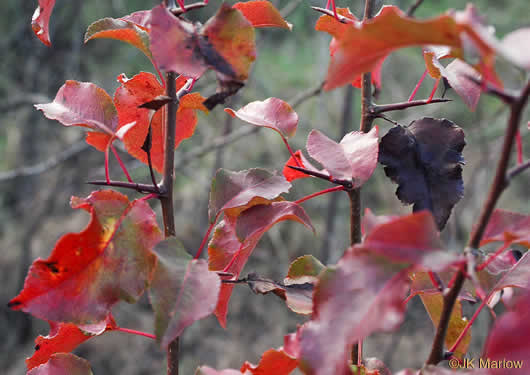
(63, 364)
(365, 292)
(370, 221)
(361, 295)
(234, 192)
(508, 227)
(508, 340)
(229, 252)
(262, 14)
(120, 29)
(360, 46)
(291, 174)
(376, 75)
(354, 158)
(273, 362)
(73, 285)
(41, 19)
(64, 337)
(182, 291)
(143, 88)
(84, 104)
(272, 113)
(225, 43)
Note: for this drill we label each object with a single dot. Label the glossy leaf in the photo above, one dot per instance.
(73, 284)
(360, 46)
(41, 19)
(354, 158)
(183, 290)
(87, 105)
(272, 113)
(297, 295)
(142, 88)
(120, 29)
(232, 243)
(234, 192)
(508, 227)
(64, 338)
(262, 13)
(63, 364)
(433, 303)
(457, 74)
(425, 160)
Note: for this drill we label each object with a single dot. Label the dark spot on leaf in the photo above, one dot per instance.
(37, 347)
(52, 266)
(14, 304)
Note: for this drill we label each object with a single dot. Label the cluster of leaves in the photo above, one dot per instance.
(122, 253)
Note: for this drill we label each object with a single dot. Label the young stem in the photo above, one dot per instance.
(321, 192)
(135, 332)
(166, 198)
(416, 88)
(497, 187)
(122, 165)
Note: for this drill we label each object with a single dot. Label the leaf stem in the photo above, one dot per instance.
(290, 151)
(330, 13)
(122, 165)
(135, 332)
(321, 192)
(204, 240)
(107, 173)
(413, 94)
(492, 257)
(141, 188)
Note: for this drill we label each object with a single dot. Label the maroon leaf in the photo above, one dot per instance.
(234, 192)
(508, 227)
(272, 113)
(182, 291)
(41, 19)
(362, 294)
(225, 43)
(354, 158)
(425, 160)
(229, 252)
(507, 348)
(63, 364)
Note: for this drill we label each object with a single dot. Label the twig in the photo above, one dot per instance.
(330, 13)
(179, 11)
(47, 164)
(348, 185)
(515, 171)
(141, 188)
(386, 118)
(166, 196)
(413, 7)
(497, 187)
(376, 109)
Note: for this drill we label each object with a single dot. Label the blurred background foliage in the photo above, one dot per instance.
(34, 196)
